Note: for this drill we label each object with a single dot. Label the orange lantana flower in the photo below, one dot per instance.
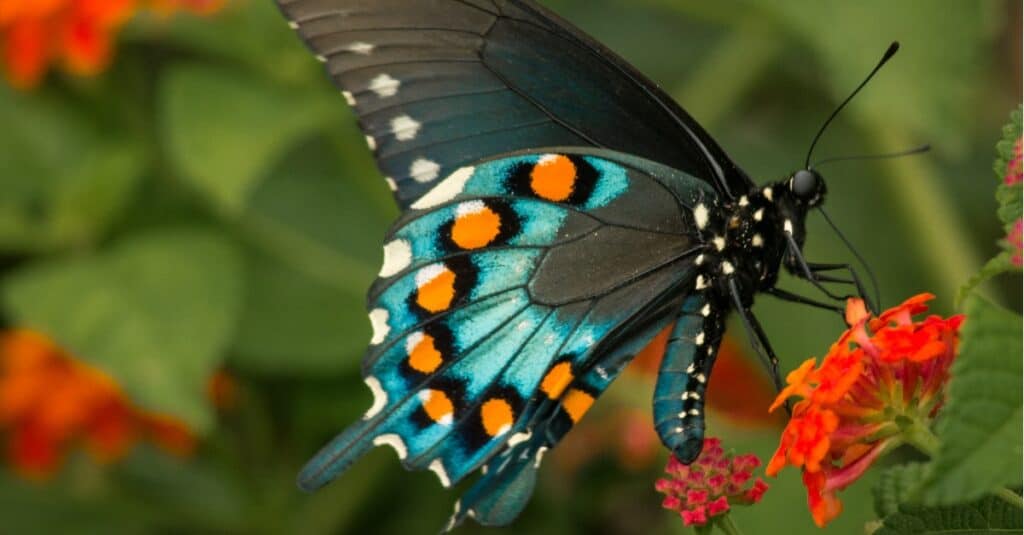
(880, 386)
(50, 401)
(77, 34)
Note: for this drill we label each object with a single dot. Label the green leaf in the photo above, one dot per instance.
(928, 57)
(980, 428)
(988, 515)
(319, 245)
(897, 485)
(63, 180)
(1002, 263)
(294, 324)
(225, 129)
(155, 312)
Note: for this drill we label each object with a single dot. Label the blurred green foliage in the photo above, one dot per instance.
(209, 202)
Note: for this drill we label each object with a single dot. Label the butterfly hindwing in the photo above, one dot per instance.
(439, 84)
(465, 339)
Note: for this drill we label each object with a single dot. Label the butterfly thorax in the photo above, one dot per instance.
(746, 241)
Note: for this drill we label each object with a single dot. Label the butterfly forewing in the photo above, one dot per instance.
(440, 84)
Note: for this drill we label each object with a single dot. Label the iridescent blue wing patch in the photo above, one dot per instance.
(501, 292)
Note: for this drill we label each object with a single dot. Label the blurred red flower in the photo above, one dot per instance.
(711, 485)
(50, 401)
(77, 34)
(880, 386)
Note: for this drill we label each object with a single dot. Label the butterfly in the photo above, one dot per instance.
(558, 211)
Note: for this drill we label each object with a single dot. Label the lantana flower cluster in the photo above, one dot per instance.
(711, 485)
(880, 386)
(51, 402)
(78, 35)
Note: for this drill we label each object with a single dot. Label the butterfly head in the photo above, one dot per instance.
(808, 188)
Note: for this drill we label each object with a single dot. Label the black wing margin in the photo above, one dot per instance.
(439, 84)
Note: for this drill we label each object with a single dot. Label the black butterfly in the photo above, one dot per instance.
(559, 210)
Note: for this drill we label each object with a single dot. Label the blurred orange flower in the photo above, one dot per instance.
(880, 386)
(77, 34)
(50, 401)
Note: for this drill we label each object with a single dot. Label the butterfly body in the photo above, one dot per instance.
(559, 210)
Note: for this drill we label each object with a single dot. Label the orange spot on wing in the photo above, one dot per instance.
(477, 229)
(425, 358)
(577, 403)
(553, 178)
(557, 378)
(437, 294)
(438, 406)
(497, 416)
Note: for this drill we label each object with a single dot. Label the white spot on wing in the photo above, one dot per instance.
(438, 468)
(360, 47)
(392, 185)
(518, 438)
(424, 170)
(470, 208)
(293, 25)
(321, 59)
(397, 256)
(540, 456)
(700, 215)
(370, 142)
(447, 190)
(349, 98)
(429, 273)
(394, 441)
(379, 322)
(385, 86)
(405, 128)
(380, 397)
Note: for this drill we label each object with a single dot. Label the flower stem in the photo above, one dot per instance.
(1009, 497)
(727, 526)
(919, 436)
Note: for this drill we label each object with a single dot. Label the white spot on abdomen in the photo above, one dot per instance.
(405, 128)
(447, 190)
(385, 86)
(787, 227)
(397, 256)
(379, 322)
(700, 215)
(424, 170)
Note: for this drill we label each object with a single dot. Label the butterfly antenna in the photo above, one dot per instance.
(889, 53)
(908, 152)
(849, 245)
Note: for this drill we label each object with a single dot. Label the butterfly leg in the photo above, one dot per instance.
(757, 336)
(802, 269)
(796, 298)
(817, 269)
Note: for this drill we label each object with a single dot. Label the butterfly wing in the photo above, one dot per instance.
(498, 288)
(439, 84)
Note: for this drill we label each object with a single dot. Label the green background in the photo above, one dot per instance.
(209, 202)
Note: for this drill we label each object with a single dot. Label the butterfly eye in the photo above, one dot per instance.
(806, 184)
